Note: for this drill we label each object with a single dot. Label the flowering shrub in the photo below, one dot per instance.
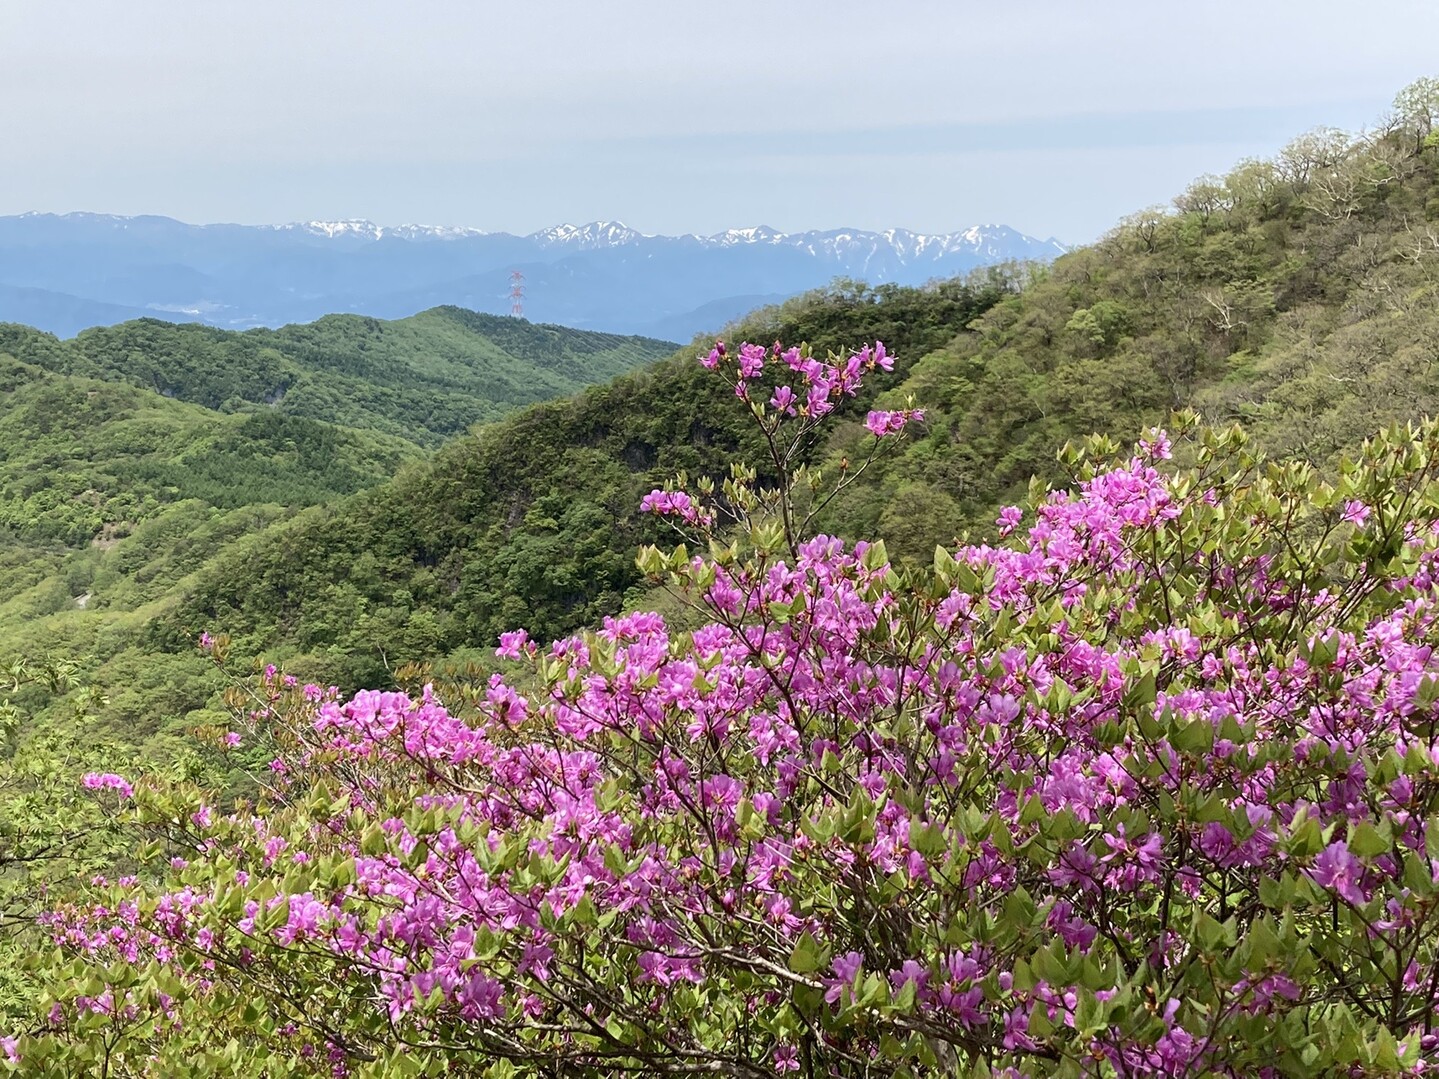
(1148, 791)
(803, 391)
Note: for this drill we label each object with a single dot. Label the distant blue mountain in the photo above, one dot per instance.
(66, 315)
(64, 272)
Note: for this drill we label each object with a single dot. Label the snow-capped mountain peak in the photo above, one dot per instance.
(433, 232)
(991, 241)
(857, 249)
(588, 237)
(901, 245)
(758, 234)
(333, 230)
(362, 229)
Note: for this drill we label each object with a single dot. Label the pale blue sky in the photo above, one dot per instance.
(1054, 117)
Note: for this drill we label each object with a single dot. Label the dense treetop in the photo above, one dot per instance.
(83, 460)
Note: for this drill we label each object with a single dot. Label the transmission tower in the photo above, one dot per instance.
(517, 294)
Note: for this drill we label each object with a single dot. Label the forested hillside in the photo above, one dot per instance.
(83, 460)
(137, 521)
(422, 378)
(132, 456)
(532, 521)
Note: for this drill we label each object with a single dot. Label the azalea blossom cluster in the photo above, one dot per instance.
(97, 781)
(891, 422)
(1152, 789)
(676, 504)
(820, 383)
(795, 410)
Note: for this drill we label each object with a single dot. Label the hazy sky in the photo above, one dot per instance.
(673, 116)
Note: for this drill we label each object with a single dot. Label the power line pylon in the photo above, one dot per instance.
(517, 294)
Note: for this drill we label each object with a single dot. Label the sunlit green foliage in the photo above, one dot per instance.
(84, 460)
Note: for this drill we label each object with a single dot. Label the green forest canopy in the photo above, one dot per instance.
(423, 378)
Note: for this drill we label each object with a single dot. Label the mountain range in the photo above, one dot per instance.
(65, 272)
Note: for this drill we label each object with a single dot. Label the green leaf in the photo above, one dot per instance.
(943, 563)
(1427, 693)
(807, 956)
(1208, 931)
(1141, 695)
(1033, 810)
(928, 839)
(1195, 737)
(1263, 944)
(1307, 838)
(1365, 841)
